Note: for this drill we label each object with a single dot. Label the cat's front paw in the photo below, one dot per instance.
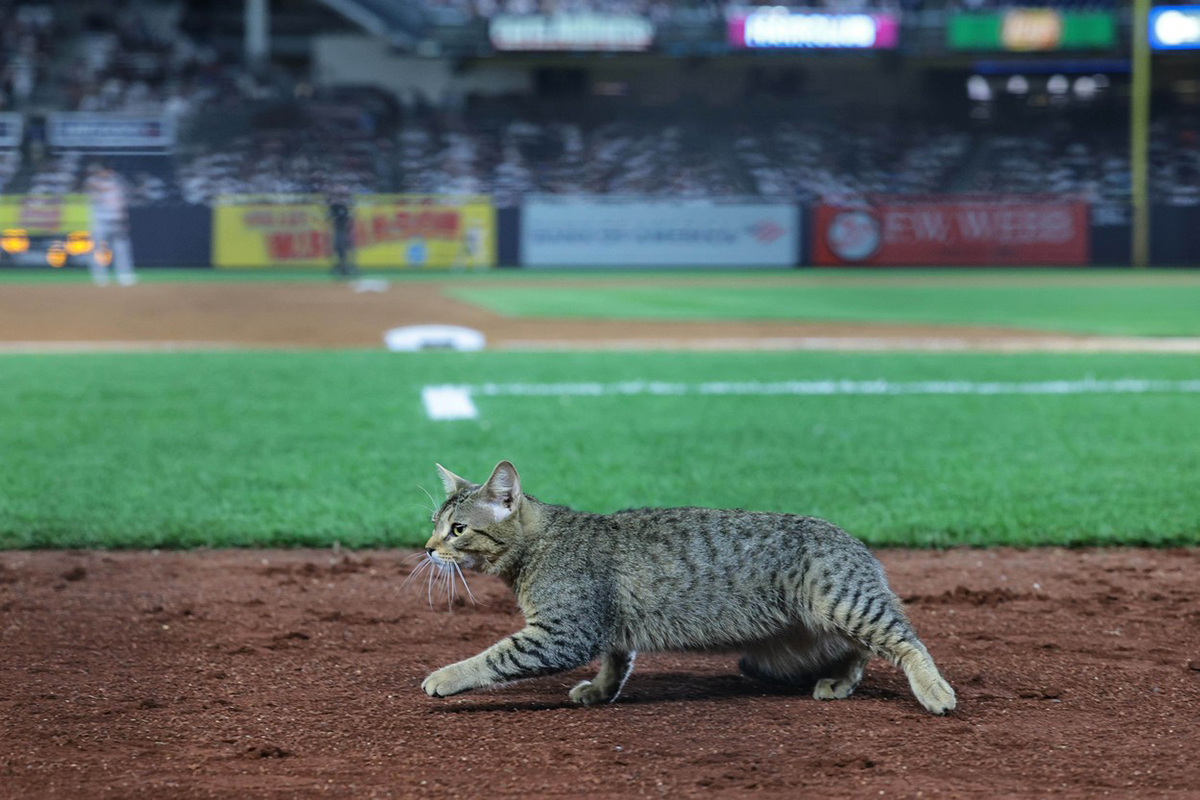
(445, 682)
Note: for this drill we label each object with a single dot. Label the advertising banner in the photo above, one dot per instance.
(969, 232)
(390, 231)
(1175, 28)
(45, 215)
(1026, 30)
(778, 27)
(585, 31)
(561, 232)
(95, 131)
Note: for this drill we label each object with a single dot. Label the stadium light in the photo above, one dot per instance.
(1058, 84)
(78, 243)
(1017, 84)
(979, 89)
(56, 255)
(1085, 88)
(14, 241)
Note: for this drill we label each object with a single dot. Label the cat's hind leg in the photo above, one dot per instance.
(841, 678)
(871, 617)
(615, 667)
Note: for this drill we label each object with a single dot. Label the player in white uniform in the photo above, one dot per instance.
(110, 227)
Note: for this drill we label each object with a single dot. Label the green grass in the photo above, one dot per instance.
(1089, 304)
(310, 448)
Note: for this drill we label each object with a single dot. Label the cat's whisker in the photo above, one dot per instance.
(434, 507)
(424, 565)
(466, 586)
(429, 588)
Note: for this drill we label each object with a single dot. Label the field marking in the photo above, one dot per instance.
(453, 401)
(448, 402)
(935, 344)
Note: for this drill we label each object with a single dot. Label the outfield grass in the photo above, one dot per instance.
(1087, 305)
(309, 448)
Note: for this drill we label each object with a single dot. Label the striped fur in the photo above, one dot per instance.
(803, 601)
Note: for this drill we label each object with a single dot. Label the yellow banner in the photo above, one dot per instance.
(45, 215)
(391, 231)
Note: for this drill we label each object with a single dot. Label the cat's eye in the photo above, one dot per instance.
(457, 528)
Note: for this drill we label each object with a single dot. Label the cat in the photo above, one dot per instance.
(801, 599)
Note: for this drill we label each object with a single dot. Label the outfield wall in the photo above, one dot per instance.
(422, 232)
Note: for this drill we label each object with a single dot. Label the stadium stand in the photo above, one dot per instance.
(259, 132)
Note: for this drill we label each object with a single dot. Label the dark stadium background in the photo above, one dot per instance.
(941, 102)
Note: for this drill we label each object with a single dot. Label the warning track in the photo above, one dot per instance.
(78, 317)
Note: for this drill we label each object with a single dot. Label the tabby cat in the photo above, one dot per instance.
(800, 599)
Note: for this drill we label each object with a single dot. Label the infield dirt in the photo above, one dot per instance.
(296, 674)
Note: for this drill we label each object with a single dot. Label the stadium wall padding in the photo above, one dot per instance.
(1111, 244)
(171, 236)
(1173, 239)
(508, 236)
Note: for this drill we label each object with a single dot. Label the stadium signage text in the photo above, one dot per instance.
(91, 131)
(1032, 30)
(389, 231)
(583, 232)
(779, 27)
(587, 32)
(968, 233)
(45, 214)
(1175, 28)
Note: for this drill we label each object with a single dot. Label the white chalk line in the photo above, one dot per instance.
(456, 401)
(990, 344)
(448, 402)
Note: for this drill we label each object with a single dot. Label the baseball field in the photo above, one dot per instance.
(211, 483)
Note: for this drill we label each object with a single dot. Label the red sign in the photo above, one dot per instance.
(952, 233)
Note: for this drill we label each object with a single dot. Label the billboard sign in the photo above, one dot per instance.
(1175, 28)
(390, 231)
(952, 232)
(43, 215)
(94, 131)
(601, 232)
(584, 32)
(1031, 30)
(780, 28)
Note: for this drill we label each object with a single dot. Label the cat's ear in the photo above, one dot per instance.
(502, 492)
(452, 482)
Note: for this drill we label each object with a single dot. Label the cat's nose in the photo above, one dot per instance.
(429, 550)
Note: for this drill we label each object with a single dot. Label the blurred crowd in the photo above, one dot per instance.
(26, 37)
(798, 158)
(247, 133)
